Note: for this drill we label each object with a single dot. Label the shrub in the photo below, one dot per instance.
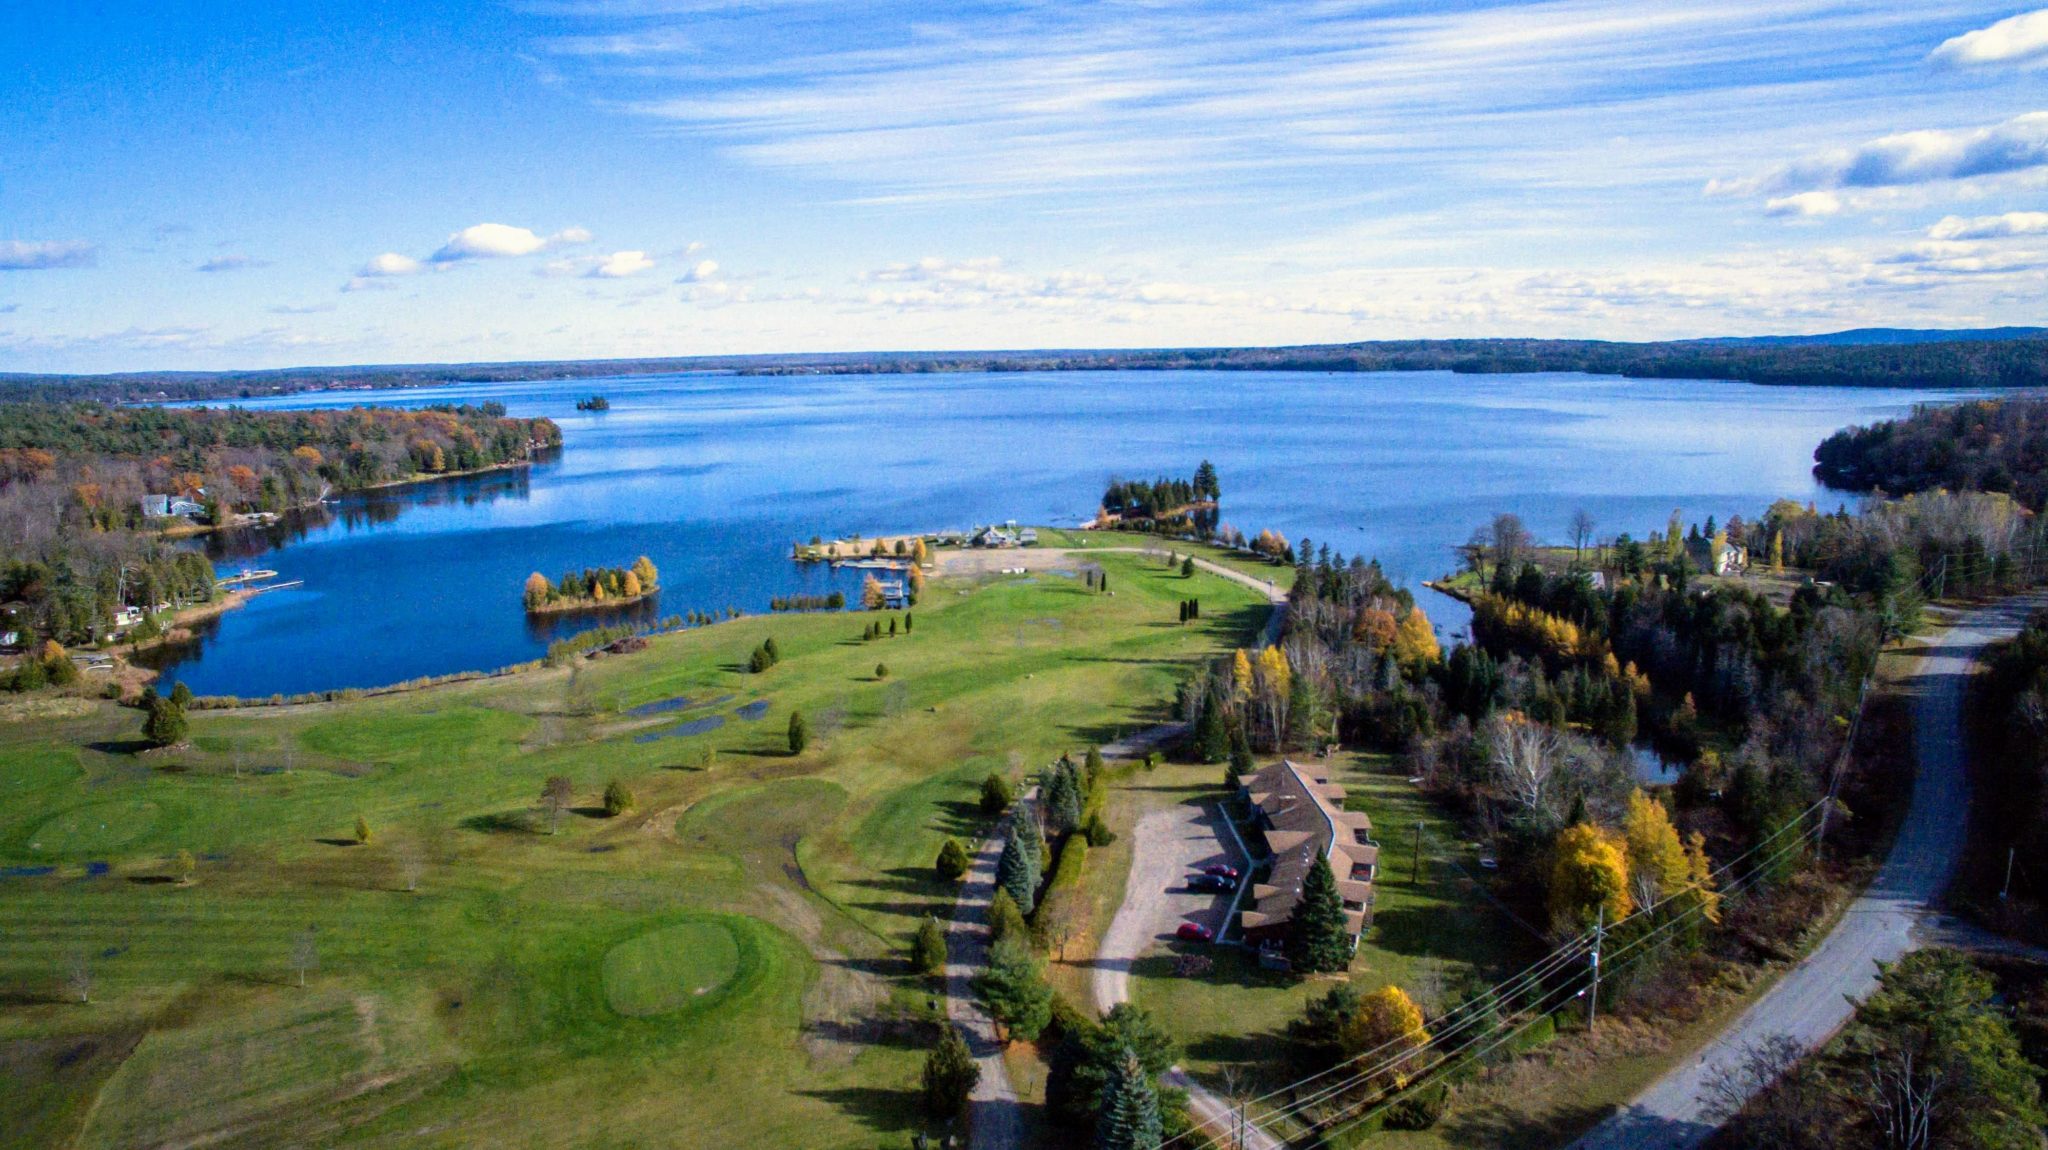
(928, 948)
(953, 861)
(950, 1075)
(1097, 832)
(881, 670)
(362, 829)
(1420, 1108)
(165, 726)
(617, 799)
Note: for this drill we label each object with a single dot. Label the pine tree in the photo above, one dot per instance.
(165, 726)
(1212, 734)
(799, 733)
(1004, 919)
(1316, 938)
(1014, 989)
(774, 652)
(1130, 1109)
(950, 1075)
(1063, 799)
(908, 619)
(996, 795)
(1017, 868)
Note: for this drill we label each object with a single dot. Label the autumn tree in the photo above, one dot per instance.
(537, 590)
(872, 596)
(1387, 1031)
(1588, 874)
(362, 829)
(1415, 641)
(644, 570)
(1375, 629)
(629, 586)
(1318, 938)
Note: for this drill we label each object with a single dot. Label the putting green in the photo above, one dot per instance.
(665, 970)
(95, 827)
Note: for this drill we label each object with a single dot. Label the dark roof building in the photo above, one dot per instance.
(1303, 815)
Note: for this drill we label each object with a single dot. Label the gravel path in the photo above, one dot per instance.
(995, 1121)
(1893, 916)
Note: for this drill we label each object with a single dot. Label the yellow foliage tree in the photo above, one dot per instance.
(1275, 676)
(630, 586)
(1389, 1026)
(1699, 877)
(1656, 858)
(1241, 676)
(597, 591)
(1588, 872)
(917, 579)
(649, 577)
(871, 594)
(536, 590)
(1415, 640)
(918, 554)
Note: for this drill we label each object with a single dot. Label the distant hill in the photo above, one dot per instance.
(1879, 357)
(1878, 336)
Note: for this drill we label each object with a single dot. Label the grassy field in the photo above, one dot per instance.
(724, 965)
(1281, 575)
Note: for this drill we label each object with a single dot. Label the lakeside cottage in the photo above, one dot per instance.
(1717, 556)
(1303, 815)
(169, 506)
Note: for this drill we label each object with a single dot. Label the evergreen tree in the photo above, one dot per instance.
(165, 726)
(1187, 568)
(950, 1075)
(928, 947)
(1241, 754)
(181, 695)
(908, 619)
(1092, 765)
(952, 861)
(774, 653)
(1130, 1109)
(1004, 919)
(1316, 938)
(1014, 989)
(1017, 868)
(1183, 610)
(1212, 733)
(799, 733)
(996, 795)
(1063, 798)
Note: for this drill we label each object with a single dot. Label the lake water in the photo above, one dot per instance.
(714, 476)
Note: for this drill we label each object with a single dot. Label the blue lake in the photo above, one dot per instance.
(715, 476)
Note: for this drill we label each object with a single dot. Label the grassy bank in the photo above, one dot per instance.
(725, 963)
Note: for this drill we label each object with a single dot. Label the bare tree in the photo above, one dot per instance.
(555, 796)
(412, 863)
(1475, 550)
(78, 974)
(1511, 540)
(1772, 1099)
(1902, 1099)
(1524, 760)
(1059, 924)
(306, 952)
(1582, 531)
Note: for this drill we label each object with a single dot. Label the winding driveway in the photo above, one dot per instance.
(994, 1119)
(1895, 915)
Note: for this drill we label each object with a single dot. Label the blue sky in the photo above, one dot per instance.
(206, 186)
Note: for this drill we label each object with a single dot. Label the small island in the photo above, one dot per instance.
(594, 403)
(592, 588)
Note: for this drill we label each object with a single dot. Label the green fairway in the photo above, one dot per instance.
(723, 964)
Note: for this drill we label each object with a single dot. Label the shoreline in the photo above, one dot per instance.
(194, 530)
(574, 606)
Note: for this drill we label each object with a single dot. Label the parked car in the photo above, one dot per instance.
(1215, 882)
(1195, 932)
(1226, 871)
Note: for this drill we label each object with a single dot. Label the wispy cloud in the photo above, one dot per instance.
(232, 262)
(2000, 226)
(2016, 39)
(39, 255)
(1907, 158)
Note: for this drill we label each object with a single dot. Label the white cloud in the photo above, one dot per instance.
(647, 42)
(1805, 205)
(1907, 158)
(2011, 40)
(300, 309)
(1990, 227)
(389, 264)
(701, 272)
(232, 262)
(39, 255)
(619, 265)
(499, 241)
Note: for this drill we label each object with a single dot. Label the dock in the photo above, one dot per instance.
(245, 577)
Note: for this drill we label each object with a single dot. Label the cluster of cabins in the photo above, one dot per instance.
(1302, 814)
(1006, 535)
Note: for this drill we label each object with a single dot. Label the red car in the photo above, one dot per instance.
(1221, 871)
(1195, 932)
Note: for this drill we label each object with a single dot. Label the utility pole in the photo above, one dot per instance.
(1415, 865)
(1599, 939)
(2007, 888)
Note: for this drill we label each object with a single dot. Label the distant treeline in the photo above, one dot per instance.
(1993, 445)
(1137, 499)
(1963, 362)
(76, 540)
(836, 601)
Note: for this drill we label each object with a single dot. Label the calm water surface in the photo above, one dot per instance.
(714, 476)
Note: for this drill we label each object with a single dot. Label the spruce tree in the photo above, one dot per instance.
(950, 1075)
(1212, 734)
(996, 794)
(953, 861)
(1004, 919)
(1130, 1109)
(1017, 868)
(1316, 938)
(1063, 799)
(928, 947)
(1241, 754)
(1014, 989)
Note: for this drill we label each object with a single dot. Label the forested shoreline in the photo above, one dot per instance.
(1962, 362)
(87, 490)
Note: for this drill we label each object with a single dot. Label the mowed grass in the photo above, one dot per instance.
(725, 964)
(1279, 574)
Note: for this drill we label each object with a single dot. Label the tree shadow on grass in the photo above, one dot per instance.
(502, 822)
(337, 842)
(962, 819)
(121, 746)
(889, 1111)
(1511, 1128)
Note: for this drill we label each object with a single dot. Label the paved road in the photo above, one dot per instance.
(994, 1119)
(1892, 917)
(1166, 847)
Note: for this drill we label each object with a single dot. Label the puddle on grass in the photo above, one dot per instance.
(753, 710)
(97, 869)
(684, 730)
(27, 871)
(659, 707)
